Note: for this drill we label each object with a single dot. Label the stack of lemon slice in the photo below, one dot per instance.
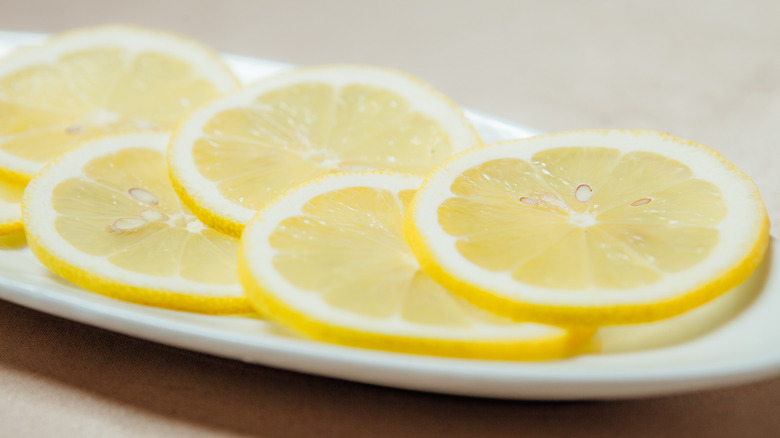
(356, 205)
(576, 230)
(329, 259)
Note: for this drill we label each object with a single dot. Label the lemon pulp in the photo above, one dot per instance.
(125, 210)
(302, 131)
(233, 156)
(346, 248)
(575, 218)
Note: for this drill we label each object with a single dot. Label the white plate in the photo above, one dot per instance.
(745, 349)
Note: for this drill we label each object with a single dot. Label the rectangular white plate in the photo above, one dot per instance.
(745, 349)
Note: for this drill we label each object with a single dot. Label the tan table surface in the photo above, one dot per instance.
(706, 71)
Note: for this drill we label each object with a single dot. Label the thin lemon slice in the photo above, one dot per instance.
(94, 81)
(106, 217)
(10, 208)
(328, 259)
(234, 155)
(589, 227)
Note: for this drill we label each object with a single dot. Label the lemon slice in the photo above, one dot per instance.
(94, 81)
(106, 217)
(589, 227)
(10, 209)
(230, 158)
(328, 259)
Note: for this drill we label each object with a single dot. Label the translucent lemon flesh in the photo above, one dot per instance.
(302, 131)
(581, 217)
(348, 248)
(47, 108)
(124, 209)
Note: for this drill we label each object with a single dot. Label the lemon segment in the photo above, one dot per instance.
(328, 259)
(106, 217)
(233, 156)
(10, 208)
(95, 81)
(589, 227)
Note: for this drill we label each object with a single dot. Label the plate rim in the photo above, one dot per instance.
(481, 378)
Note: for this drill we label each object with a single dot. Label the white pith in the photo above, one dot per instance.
(39, 217)
(738, 230)
(259, 255)
(420, 97)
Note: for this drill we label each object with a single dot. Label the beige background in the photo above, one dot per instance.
(706, 71)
